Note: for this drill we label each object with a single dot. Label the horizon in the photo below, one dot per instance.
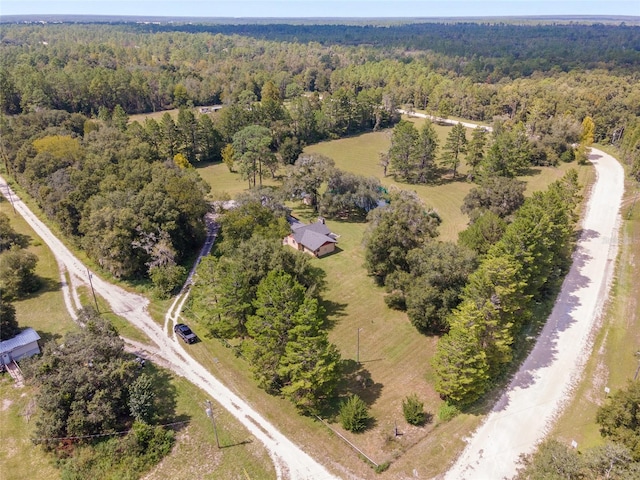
(331, 9)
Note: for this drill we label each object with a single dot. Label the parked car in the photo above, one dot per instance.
(185, 333)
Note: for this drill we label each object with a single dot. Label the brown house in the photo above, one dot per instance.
(315, 239)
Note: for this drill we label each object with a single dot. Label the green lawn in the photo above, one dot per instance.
(392, 353)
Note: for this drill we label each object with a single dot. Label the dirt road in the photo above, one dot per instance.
(289, 460)
(527, 409)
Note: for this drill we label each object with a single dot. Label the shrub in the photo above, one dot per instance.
(448, 412)
(167, 279)
(413, 410)
(354, 414)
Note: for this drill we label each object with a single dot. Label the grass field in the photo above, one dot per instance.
(392, 354)
(141, 117)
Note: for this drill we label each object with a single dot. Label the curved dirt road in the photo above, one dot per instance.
(524, 413)
(289, 460)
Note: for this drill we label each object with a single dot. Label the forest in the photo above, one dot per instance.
(128, 192)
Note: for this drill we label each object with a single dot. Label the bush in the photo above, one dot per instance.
(17, 273)
(167, 279)
(354, 414)
(448, 412)
(413, 410)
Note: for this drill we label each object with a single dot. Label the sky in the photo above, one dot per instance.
(321, 8)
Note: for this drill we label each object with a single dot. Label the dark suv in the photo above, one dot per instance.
(185, 333)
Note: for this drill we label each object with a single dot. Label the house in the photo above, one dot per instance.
(315, 238)
(25, 344)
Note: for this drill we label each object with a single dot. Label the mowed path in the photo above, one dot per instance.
(527, 409)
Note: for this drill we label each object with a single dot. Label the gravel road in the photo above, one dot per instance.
(527, 409)
(290, 461)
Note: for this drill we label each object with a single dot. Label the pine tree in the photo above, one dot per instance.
(475, 152)
(455, 146)
(278, 299)
(426, 146)
(401, 152)
(310, 364)
(461, 367)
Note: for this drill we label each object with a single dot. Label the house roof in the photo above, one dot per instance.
(28, 335)
(311, 239)
(311, 236)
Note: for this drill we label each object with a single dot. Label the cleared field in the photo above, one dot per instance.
(141, 117)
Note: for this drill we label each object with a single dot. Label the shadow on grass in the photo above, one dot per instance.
(237, 444)
(531, 172)
(333, 310)
(45, 285)
(356, 380)
(165, 397)
(46, 337)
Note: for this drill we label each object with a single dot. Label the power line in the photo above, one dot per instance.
(122, 432)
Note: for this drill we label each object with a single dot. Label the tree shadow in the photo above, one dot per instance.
(45, 285)
(165, 395)
(357, 380)
(333, 310)
(530, 172)
(46, 337)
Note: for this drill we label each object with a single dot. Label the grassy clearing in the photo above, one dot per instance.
(392, 354)
(19, 458)
(196, 455)
(614, 361)
(141, 117)
(225, 184)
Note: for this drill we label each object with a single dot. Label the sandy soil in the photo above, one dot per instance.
(289, 460)
(528, 408)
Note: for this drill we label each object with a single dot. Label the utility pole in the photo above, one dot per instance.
(358, 347)
(93, 291)
(209, 411)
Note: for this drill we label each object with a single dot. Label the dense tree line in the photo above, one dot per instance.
(134, 212)
(81, 68)
(494, 50)
(525, 265)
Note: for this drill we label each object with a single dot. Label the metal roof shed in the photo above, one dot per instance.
(25, 344)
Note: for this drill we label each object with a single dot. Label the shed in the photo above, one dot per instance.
(25, 344)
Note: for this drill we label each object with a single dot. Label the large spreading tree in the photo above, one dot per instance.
(406, 223)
